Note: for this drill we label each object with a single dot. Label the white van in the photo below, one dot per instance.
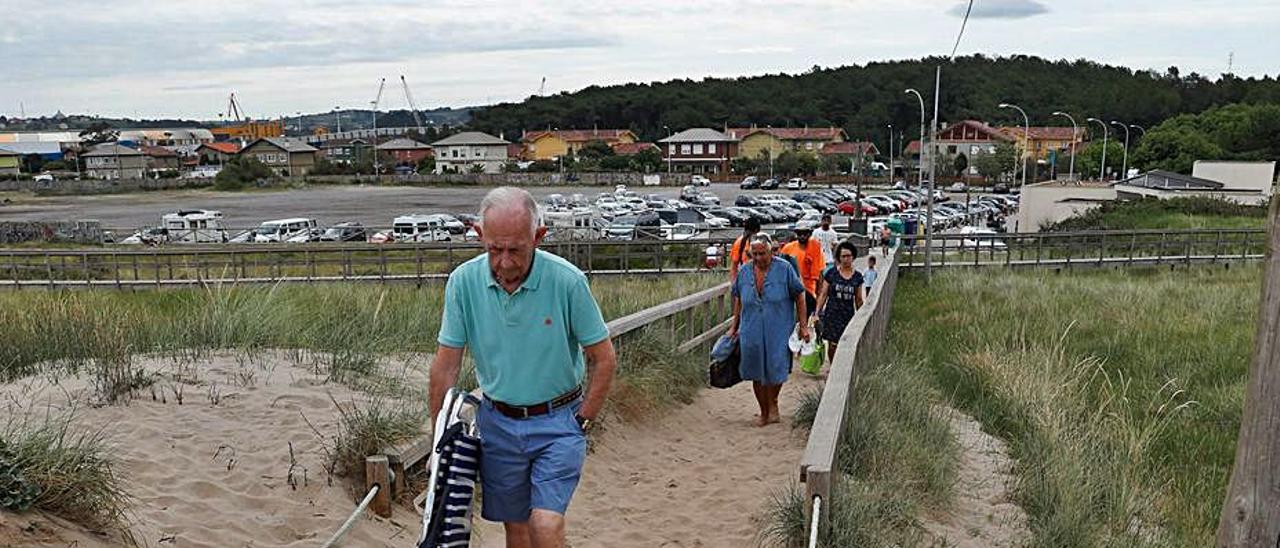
(419, 228)
(282, 230)
(580, 223)
(194, 226)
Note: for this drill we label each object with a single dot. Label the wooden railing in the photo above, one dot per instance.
(693, 320)
(1083, 249)
(858, 346)
(120, 267)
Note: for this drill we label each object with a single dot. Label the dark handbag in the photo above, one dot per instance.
(724, 373)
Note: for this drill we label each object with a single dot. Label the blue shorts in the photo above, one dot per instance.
(529, 463)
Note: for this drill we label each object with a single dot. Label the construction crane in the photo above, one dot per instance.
(240, 126)
(413, 108)
(382, 83)
(542, 88)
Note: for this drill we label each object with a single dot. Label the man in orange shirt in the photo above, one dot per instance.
(740, 252)
(808, 255)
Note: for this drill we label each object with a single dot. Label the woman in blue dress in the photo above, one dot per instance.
(768, 297)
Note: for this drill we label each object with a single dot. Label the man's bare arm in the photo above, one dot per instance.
(602, 362)
(444, 374)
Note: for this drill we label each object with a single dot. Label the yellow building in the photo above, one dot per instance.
(1043, 139)
(775, 140)
(549, 145)
(9, 162)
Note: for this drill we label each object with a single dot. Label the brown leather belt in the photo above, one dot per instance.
(524, 412)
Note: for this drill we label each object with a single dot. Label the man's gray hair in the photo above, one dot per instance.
(509, 197)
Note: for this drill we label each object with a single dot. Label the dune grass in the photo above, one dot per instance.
(1119, 392)
(1175, 213)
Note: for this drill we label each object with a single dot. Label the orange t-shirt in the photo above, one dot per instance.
(810, 261)
(737, 259)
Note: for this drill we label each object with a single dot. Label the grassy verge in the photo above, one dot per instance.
(897, 463)
(1120, 393)
(1176, 213)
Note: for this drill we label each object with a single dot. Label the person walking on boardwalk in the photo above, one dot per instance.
(841, 296)
(528, 318)
(809, 263)
(738, 252)
(768, 302)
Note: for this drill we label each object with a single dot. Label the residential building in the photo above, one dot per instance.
(631, 149)
(1044, 141)
(343, 151)
(114, 161)
(217, 153)
(755, 141)
(160, 158)
(463, 151)
(286, 157)
(405, 151)
(10, 162)
(699, 150)
(552, 144)
(969, 139)
(171, 137)
(849, 151)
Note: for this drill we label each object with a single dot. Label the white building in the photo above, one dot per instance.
(462, 151)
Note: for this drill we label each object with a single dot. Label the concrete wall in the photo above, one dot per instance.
(1253, 176)
(100, 186)
(83, 232)
(1241, 197)
(1045, 203)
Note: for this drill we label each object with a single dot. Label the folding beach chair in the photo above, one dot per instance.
(455, 469)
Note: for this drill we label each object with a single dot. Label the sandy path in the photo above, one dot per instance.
(699, 476)
(982, 514)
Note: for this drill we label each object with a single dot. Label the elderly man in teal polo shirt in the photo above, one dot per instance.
(528, 317)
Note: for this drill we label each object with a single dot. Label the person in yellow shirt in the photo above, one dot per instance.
(808, 255)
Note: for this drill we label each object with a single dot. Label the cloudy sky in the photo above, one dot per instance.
(177, 58)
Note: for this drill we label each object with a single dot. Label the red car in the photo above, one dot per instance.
(848, 207)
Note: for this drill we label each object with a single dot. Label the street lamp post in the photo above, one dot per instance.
(1074, 132)
(920, 174)
(1102, 171)
(1124, 169)
(891, 154)
(671, 150)
(1026, 140)
(337, 117)
(1139, 128)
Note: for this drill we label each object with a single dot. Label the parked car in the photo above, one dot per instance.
(699, 180)
(746, 200)
(345, 232)
(957, 187)
(749, 182)
(43, 178)
(420, 228)
(769, 184)
(1000, 188)
(282, 230)
(796, 183)
(148, 236)
(980, 242)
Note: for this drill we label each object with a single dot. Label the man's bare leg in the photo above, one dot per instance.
(518, 534)
(546, 529)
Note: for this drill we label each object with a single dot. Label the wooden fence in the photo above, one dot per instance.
(317, 262)
(693, 320)
(1084, 249)
(858, 347)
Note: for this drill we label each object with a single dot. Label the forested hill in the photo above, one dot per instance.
(864, 99)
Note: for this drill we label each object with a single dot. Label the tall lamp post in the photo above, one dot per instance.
(920, 174)
(1139, 128)
(1075, 130)
(1026, 139)
(1102, 171)
(1124, 169)
(671, 148)
(890, 154)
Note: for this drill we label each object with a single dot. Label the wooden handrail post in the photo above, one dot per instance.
(1251, 513)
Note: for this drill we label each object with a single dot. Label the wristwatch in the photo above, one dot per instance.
(583, 422)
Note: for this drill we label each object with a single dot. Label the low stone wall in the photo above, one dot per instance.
(80, 232)
(100, 186)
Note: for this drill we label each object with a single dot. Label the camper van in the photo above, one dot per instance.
(194, 226)
(580, 223)
(281, 230)
(419, 228)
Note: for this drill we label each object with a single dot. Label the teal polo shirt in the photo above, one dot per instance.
(527, 345)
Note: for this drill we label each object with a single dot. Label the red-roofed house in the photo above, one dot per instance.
(629, 149)
(1044, 139)
(755, 141)
(969, 139)
(852, 148)
(217, 153)
(551, 144)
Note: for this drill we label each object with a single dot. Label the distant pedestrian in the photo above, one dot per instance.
(827, 237)
(739, 253)
(841, 296)
(713, 256)
(869, 277)
(528, 319)
(885, 236)
(768, 303)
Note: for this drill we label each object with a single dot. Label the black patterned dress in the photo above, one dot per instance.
(840, 305)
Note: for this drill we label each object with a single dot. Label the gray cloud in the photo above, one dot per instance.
(1001, 9)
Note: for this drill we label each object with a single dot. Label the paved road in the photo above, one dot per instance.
(371, 205)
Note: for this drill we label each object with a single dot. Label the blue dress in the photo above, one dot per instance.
(767, 321)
